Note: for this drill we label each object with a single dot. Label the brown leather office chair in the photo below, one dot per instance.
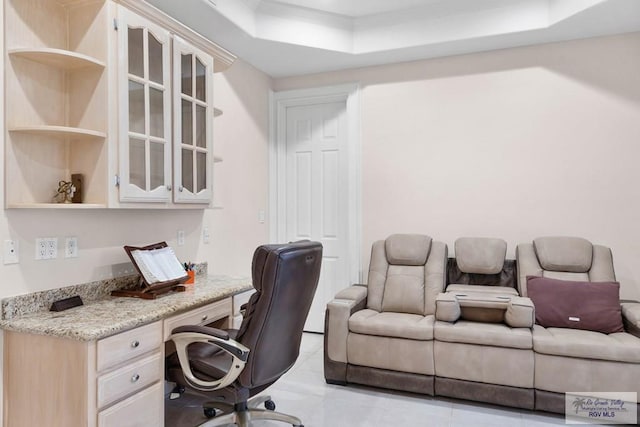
(230, 367)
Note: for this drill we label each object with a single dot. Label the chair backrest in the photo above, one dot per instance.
(406, 274)
(285, 278)
(481, 261)
(565, 258)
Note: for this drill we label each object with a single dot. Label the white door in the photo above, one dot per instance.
(317, 193)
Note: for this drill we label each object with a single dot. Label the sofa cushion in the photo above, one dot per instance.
(407, 249)
(480, 255)
(593, 306)
(388, 324)
(572, 254)
(620, 347)
(493, 334)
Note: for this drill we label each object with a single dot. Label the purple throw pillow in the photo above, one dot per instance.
(592, 306)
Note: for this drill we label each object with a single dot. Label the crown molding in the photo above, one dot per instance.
(223, 59)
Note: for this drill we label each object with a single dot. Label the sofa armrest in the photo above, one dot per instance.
(520, 313)
(354, 292)
(631, 317)
(339, 310)
(447, 307)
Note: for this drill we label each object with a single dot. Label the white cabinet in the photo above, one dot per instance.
(98, 93)
(144, 105)
(193, 123)
(163, 158)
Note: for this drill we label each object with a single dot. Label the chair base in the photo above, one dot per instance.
(242, 414)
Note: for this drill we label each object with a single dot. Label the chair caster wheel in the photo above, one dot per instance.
(270, 405)
(209, 412)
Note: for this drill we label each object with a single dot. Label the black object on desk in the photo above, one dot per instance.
(67, 303)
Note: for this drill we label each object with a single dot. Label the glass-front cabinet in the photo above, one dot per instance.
(192, 123)
(163, 158)
(145, 110)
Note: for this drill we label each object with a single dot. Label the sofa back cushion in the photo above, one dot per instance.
(593, 306)
(565, 254)
(407, 249)
(406, 273)
(480, 255)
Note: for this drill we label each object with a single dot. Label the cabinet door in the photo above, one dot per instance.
(193, 123)
(145, 109)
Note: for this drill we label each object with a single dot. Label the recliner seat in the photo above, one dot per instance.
(572, 359)
(381, 334)
(483, 345)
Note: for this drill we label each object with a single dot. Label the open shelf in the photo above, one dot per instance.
(59, 58)
(56, 206)
(60, 131)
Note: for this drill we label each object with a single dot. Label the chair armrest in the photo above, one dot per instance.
(520, 313)
(447, 307)
(631, 317)
(183, 336)
(214, 332)
(339, 310)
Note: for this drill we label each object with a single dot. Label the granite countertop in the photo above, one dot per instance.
(111, 315)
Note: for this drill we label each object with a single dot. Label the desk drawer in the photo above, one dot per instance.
(145, 408)
(129, 379)
(127, 345)
(199, 316)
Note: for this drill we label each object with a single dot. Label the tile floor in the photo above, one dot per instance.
(303, 392)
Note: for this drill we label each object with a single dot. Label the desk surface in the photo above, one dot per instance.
(112, 315)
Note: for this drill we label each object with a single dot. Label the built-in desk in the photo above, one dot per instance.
(102, 364)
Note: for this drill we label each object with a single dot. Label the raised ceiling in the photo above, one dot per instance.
(294, 37)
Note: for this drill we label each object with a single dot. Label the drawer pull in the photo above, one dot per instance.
(135, 344)
(135, 378)
(205, 317)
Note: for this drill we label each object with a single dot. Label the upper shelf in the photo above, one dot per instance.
(59, 58)
(60, 131)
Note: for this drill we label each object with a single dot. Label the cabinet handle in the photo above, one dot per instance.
(168, 187)
(135, 378)
(135, 344)
(205, 317)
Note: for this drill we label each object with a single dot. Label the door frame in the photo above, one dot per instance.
(278, 103)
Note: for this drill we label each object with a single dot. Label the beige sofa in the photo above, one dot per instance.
(464, 327)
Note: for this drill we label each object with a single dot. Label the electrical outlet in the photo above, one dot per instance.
(11, 252)
(52, 248)
(180, 237)
(71, 247)
(205, 235)
(41, 248)
(46, 248)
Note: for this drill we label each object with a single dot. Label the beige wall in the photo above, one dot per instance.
(515, 143)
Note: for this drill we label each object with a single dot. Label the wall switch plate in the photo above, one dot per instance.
(71, 247)
(205, 235)
(11, 252)
(261, 216)
(180, 237)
